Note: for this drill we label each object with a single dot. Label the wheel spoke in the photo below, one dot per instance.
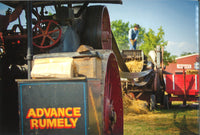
(50, 38)
(53, 31)
(40, 29)
(47, 29)
(37, 36)
(43, 40)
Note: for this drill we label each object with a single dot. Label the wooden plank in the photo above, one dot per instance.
(88, 66)
(62, 67)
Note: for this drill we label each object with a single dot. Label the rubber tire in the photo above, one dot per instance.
(166, 102)
(152, 105)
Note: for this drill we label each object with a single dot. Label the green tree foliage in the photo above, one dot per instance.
(187, 53)
(120, 30)
(168, 58)
(151, 40)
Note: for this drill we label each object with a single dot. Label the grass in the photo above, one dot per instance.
(175, 121)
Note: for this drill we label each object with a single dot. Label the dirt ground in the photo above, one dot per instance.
(175, 121)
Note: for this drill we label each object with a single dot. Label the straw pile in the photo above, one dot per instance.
(134, 106)
(135, 66)
(192, 72)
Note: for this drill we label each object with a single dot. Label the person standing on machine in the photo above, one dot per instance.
(133, 36)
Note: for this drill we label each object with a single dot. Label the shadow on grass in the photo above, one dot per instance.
(183, 126)
(178, 108)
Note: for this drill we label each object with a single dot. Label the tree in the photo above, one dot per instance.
(151, 40)
(187, 53)
(120, 31)
(168, 58)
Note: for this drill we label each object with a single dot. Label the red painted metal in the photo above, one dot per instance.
(169, 84)
(191, 84)
(184, 87)
(106, 35)
(190, 98)
(41, 37)
(113, 107)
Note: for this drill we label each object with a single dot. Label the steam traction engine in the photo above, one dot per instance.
(75, 83)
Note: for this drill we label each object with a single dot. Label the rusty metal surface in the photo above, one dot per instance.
(102, 93)
(51, 2)
(95, 101)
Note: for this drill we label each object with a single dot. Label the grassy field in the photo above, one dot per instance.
(175, 121)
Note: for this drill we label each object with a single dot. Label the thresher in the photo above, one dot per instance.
(144, 80)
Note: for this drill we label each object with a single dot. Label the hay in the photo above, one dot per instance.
(139, 107)
(192, 72)
(134, 106)
(126, 103)
(135, 66)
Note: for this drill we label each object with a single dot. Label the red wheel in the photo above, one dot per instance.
(113, 107)
(97, 30)
(46, 34)
(106, 35)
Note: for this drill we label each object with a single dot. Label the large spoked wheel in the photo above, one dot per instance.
(46, 34)
(113, 107)
(97, 30)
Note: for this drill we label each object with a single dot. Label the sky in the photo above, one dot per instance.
(178, 18)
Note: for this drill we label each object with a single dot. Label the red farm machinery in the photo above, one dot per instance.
(181, 87)
(71, 59)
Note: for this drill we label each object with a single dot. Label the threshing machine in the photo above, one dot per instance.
(144, 80)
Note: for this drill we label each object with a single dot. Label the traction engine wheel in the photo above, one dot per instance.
(97, 32)
(113, 107)
(44, 32)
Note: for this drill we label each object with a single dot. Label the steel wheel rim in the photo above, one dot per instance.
(113, 107)
(97, 30)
